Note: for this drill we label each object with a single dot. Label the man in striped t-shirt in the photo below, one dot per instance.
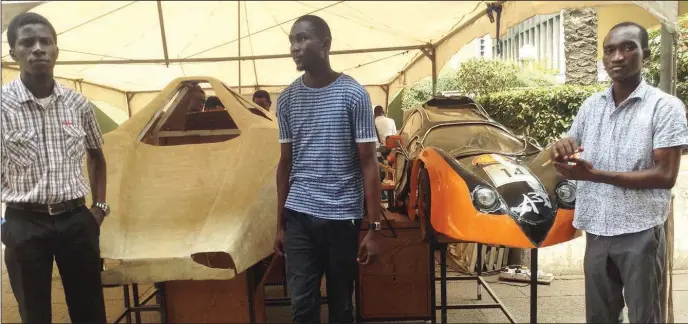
(327, 170)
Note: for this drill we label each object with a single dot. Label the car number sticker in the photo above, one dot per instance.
(505, 173)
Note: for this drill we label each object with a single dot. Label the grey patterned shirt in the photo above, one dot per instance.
(43, 144)
(622, 140)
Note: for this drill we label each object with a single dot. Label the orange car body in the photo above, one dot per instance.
(486, 184)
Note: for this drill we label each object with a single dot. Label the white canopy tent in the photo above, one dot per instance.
(120, 51)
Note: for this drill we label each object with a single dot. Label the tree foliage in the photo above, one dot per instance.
(477, 77)
(543, 113)
(651, 72)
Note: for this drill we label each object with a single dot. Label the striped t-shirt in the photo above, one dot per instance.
(324, 126)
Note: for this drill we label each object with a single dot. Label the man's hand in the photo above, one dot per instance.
(581, 170)
(279, 242)
(369, 248)
(563, 149)
(98, 215)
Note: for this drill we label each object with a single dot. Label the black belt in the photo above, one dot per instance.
(52, 209)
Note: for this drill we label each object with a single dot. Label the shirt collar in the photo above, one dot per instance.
(26, 95)
(638, 93)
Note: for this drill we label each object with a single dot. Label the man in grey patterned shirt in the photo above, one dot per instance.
(630, 139)
(47, 130)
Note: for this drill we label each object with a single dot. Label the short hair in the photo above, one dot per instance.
(23, 19)
(644, 36)
(212, 102)
(379, 110)
(261, 94)
(321, 27)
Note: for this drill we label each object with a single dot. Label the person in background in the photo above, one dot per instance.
(384, 126)
(630, 138)
(327, 178)
(47, 129)
(262, 98)
(213, 103)
(196, 98)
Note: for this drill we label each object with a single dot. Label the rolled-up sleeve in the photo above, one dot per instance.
(670, 126)
(94, 137)
(363, 119)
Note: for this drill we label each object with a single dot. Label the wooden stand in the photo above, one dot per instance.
(239, 300)
(397, 285)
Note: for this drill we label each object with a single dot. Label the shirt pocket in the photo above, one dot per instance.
(22, 147)
(75, 137)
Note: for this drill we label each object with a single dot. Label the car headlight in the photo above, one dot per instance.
(485, 199)
(566, 194)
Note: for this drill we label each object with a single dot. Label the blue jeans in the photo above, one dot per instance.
(313, 247)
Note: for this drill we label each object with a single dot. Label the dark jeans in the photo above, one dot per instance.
(313, 247)
(628, 268)
(32, 240)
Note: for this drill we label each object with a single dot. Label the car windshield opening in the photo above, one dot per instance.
(473, 137)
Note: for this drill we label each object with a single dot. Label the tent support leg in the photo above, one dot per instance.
(667, 83)
(239, 42)
(431, 55)
(162, 35)
(385, 88)
(129, 96)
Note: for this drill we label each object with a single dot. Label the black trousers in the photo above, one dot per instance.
(628, 268)
(313, 247)
(32, 240)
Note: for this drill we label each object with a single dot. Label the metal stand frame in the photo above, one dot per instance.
(142, 306)
(481, 282)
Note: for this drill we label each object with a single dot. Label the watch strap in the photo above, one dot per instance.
(103, 206)
(375, 226)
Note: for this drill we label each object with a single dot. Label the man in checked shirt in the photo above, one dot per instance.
(46, 131)
(630, 137)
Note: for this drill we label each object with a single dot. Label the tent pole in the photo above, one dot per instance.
(431, 55)
(227, 59)
(129, 95)
(667, 75)
(385, 88)
(162, 34)
(666, 56)
(239, 41)
(434, 72)
(456, 30)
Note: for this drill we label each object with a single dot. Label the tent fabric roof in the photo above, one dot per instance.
(381, 39)
(130, 30)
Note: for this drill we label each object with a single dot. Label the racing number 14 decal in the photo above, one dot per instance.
(516, 172)
(502, 174)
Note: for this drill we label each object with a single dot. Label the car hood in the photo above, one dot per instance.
(518, 181)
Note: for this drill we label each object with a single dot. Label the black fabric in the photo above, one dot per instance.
(56, 208)
(32, 240)
(316, 246)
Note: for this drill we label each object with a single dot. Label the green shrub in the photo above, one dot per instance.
(682, 91)
(476, 77)
(543, 113)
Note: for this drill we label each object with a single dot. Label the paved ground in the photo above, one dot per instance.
(560, 302)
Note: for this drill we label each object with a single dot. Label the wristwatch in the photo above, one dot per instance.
(104, 207)
(375, 226)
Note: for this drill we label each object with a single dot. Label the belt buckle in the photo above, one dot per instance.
(50, 210)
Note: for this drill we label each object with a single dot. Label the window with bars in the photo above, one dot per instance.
(544, 32)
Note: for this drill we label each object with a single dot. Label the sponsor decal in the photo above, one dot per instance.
(530, 203)
(485, 159)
